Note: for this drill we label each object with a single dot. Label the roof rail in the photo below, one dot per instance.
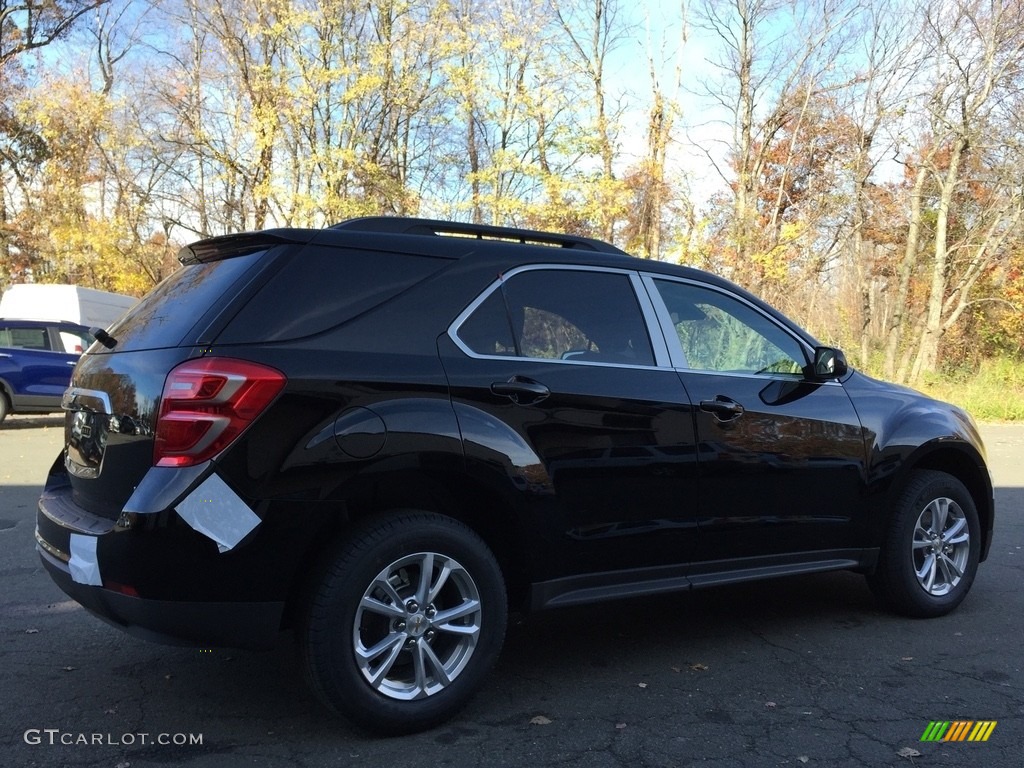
(437, 228)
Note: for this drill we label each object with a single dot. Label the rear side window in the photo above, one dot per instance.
(170, 311)
(320, 287)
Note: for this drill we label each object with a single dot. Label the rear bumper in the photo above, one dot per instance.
(159, 580)
(235, 625)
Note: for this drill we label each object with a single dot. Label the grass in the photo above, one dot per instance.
(994, 393)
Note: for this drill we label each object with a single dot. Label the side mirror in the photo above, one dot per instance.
(829, 363)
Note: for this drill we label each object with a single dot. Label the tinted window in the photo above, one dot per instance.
(488, 331)
(720, 333)
(169, 312)
(321, 287)
(562, 315)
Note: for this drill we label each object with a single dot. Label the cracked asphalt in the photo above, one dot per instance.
(802, 671)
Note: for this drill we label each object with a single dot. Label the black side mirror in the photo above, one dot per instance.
(829, 363)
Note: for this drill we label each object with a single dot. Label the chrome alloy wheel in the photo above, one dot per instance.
(941, 546)
(417, 626)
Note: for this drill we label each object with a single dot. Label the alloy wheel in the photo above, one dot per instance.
(417, 626)
(941, 546)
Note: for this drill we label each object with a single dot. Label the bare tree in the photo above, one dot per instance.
(29, 24)
(978, 59)
(775, 59)
(593, 29)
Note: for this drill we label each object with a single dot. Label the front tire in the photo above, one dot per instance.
(406, 621)
(930, 553)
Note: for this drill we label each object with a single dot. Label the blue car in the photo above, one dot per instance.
(36, 360)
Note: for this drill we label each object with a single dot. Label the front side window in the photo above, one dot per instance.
(720, 333)
(561, 314)
(24, 338)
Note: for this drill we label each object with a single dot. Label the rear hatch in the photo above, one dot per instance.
(114, 398)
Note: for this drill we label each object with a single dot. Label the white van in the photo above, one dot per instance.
(67, 303)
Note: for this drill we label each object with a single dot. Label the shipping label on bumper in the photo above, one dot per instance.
(216, 511)
(84, 564)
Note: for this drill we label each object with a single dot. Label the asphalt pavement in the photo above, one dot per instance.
(801, 671)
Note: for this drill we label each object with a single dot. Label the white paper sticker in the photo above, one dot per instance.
(84, 566)
(216, 511)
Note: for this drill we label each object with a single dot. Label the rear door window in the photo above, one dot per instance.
(74, 342)
(561, 314)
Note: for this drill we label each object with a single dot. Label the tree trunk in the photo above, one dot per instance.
(928, 349)
(906, 272)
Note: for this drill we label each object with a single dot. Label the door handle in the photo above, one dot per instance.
(521, 390)
(724, 408)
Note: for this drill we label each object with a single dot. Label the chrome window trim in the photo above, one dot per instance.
(655, 334)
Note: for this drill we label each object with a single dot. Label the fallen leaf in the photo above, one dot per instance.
(804, 759)
(908, 752)
(698, 667)
(540, 720)
(770, 704)
(31, 631)
(70, 669)
(620, 726)
(641, 685)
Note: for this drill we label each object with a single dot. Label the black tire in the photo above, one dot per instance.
(926, 565)
(420, 662)
(5, 406)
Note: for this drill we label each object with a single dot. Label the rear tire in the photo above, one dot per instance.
(407, 619)
(929, 556)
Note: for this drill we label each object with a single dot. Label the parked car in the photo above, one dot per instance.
(36, 358)
(385, 434)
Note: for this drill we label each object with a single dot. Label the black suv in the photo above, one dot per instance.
(387, 433)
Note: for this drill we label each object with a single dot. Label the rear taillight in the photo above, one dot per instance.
(206, 404)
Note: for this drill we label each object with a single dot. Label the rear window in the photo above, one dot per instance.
(321, 287)
(172, 309)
